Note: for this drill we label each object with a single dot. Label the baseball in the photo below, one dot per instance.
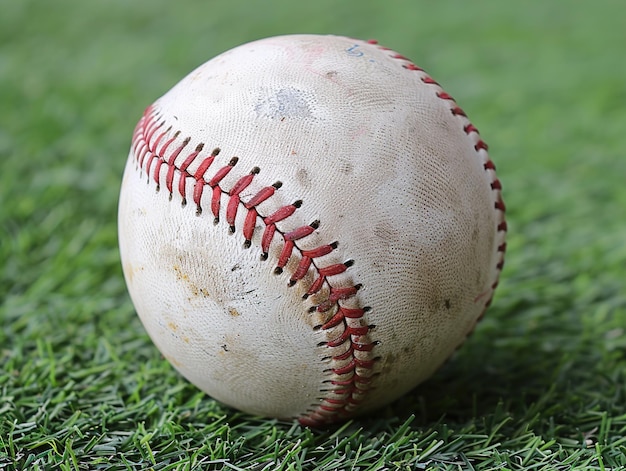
(309, 226)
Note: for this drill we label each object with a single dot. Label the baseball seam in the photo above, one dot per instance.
(481, 149)
(351, 357)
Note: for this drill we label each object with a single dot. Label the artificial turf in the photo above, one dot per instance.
(541, 385)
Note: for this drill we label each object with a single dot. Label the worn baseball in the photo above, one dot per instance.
(309, 226)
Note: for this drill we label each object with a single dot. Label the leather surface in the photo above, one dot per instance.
(378, 164)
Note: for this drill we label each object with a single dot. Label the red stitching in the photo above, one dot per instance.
(481, 149)
(151, 140)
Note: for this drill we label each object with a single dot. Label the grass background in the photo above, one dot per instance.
(541, 384)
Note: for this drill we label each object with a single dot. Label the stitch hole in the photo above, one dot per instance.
(198, 148)
(412, 67)
(231, 229)
(277, 184)
(247, 244)
(481, 145)
(264, 256)
(470, 128)
(255, 170)
(312, 309)
(349, 263)
(371, 326)
(233, 161)
(278, 271)
(367, 309)
(183, 203)
(315, 224)
(317, 327)
(322, 344)
(457, 111)
(297, 203)
(198, 210)
(215, 152)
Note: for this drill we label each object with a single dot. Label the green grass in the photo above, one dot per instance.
(541, 385)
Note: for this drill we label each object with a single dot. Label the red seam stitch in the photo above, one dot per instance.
(481, 149)
(480, 145)
(145, 144)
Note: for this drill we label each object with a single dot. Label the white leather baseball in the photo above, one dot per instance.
(309, 226)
